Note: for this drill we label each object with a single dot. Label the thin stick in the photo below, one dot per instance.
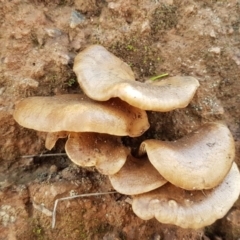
(45, 155)
(159, 76)
(72, 197)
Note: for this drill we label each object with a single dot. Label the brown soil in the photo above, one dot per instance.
(38, 42)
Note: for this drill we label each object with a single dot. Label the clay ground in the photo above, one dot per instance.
(39, 40)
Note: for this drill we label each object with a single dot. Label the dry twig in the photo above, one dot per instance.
(45, 155)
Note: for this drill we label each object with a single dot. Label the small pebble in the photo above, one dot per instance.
(128, 200)
(156, 236)
(216, 50)
(76, 19)
(43, 209)
(53, 169)
(212, 34)
(53, 32)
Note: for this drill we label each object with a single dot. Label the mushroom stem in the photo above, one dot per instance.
(52, 138)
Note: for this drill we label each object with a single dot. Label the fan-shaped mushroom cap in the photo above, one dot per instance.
(78, 113)
(95, 66)
(136, 176)
(199, 160)
(101, 150)
(189, 209)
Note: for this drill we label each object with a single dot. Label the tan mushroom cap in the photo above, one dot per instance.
(78, 113)
(103, 151)
(199, 160)
(52, 138)
(95, 66)
(189, 209)
(136, 176)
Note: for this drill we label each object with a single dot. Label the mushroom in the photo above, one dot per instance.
(52, 138)
(189, 209)
(82, 120)
(199, 160)
(136, 176)
(78, 113)
(93, 149)
(95, 66)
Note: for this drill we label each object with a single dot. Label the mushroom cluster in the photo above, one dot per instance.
(190, 182)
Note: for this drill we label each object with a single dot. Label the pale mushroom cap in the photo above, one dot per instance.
(95, 66)
(189, 209)
(78, 113)
(136, 176)
(199, 160)
(103, 151)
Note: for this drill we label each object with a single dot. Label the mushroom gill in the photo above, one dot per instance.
(189, 209)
